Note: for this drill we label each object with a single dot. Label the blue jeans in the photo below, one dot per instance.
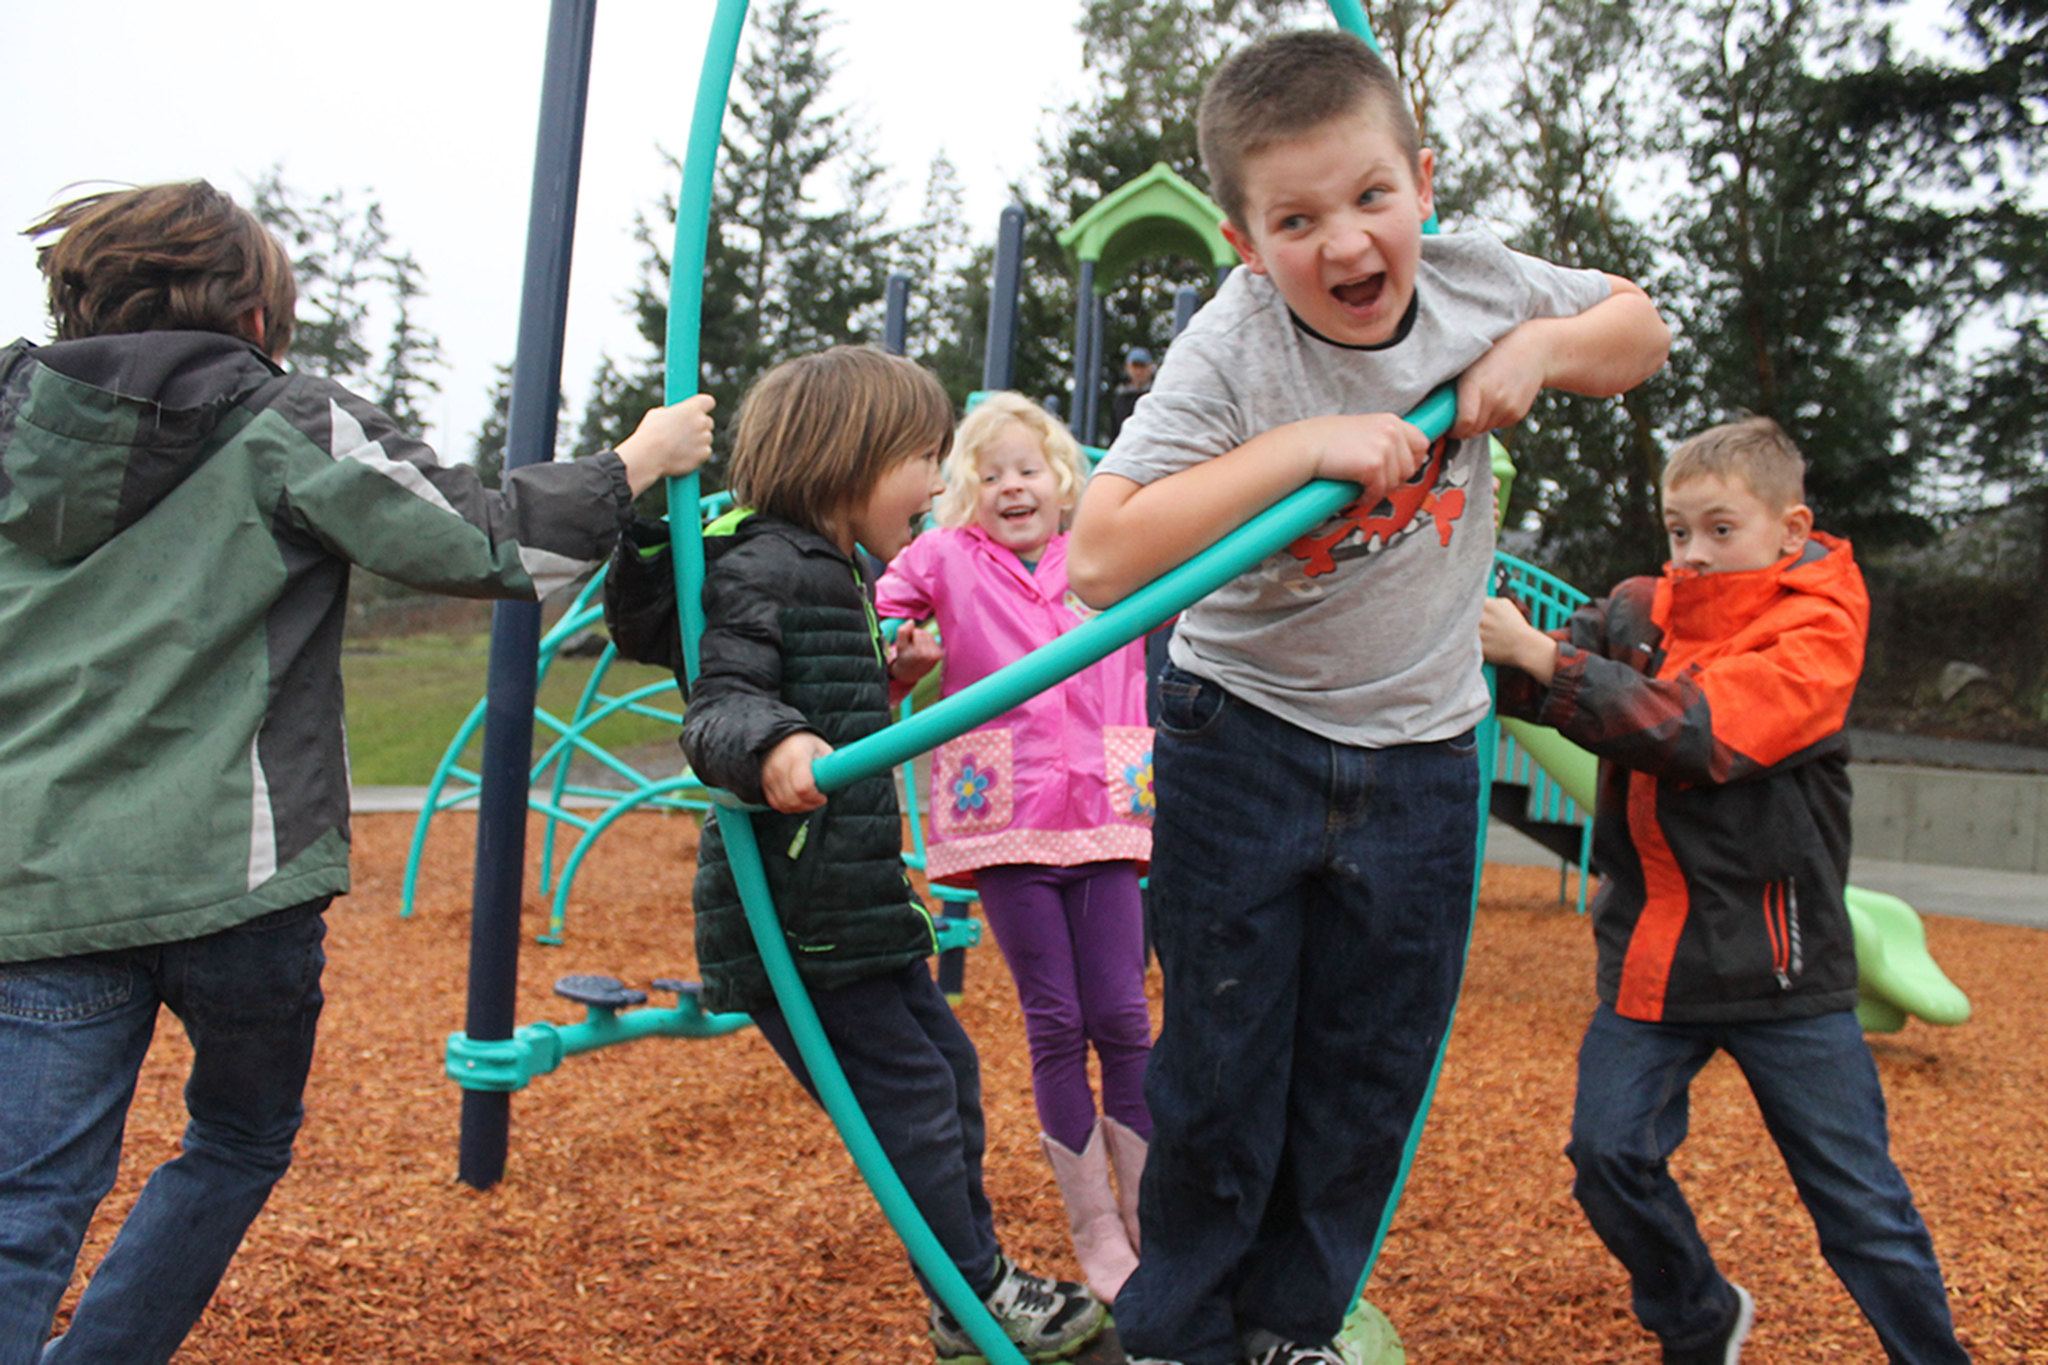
(1818, 1091)
(914, 1071)
(73, 1033)
(1312, 902)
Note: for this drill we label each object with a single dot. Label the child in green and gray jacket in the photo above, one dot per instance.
(178, 516)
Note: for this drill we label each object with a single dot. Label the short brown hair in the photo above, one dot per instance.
(817, 433)
(1753, 449)
(1286, 85)
(163, 258)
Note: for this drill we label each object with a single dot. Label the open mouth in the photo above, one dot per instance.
(1361, 294)
(1018, 513)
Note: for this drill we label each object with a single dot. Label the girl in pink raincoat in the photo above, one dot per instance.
(1046, 810)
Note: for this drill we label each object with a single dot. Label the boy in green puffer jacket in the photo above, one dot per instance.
(178, 515)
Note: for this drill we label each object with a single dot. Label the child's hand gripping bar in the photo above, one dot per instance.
(1271, 530)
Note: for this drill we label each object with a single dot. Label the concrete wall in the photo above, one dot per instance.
(1951, 817)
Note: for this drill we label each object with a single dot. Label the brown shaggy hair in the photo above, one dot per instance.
(162, 258)
(1287, 85)
(1755, 450)
(817, 433)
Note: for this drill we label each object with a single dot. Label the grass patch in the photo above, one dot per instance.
(407, 696)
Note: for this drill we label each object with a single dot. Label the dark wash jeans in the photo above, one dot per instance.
(1311, 903)
(915, 1073)
(1817, 1089)
(73, 1033)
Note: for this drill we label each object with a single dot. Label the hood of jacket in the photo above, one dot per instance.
(94, 433)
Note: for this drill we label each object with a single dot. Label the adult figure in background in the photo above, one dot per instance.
(1137, 383)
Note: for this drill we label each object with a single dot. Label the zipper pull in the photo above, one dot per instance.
(803, 834)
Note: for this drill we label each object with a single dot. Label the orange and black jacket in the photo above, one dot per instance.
(1716, 705)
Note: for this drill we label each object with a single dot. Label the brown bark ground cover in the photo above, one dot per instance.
(682, 1202)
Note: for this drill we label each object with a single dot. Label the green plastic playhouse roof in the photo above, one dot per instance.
(1157, 214)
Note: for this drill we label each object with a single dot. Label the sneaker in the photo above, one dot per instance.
(1294, 1353)
(1046, 1319)
(1725, 1349)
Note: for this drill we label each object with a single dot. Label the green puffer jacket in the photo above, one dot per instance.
(790, 645)
(177, 520)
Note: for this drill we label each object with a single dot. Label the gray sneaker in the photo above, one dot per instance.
(1046, 1319)
(1294, 1353)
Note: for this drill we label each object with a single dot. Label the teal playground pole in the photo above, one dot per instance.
(693, 218)
(1350, 16)
(1264, 534)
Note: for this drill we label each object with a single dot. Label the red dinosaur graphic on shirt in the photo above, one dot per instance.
(1387, 517)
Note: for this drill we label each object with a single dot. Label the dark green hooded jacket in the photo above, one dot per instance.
(790, 645)
(177, 520)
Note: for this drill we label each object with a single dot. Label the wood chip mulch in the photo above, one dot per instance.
(682, 1202)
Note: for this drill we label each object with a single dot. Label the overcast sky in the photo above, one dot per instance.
(431, 107)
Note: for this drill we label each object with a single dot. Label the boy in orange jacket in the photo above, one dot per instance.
(1715, 697)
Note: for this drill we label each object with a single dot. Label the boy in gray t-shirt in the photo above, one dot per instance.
(1314, 764)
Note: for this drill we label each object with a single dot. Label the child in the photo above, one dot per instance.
(1045, 810)
(1715, 698)
(177, 519)
(1315, 762)
(834, 450)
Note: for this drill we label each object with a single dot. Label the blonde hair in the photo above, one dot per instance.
(1755, 450)
(816, 434)
(956, 506)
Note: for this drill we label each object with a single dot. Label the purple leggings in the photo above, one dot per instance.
(1075, 941)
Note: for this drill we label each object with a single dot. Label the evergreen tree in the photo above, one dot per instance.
(1969, 128)
(487, 451)
(797, 256)
(944, 328)
(356, 321)
(1148, 60)
(410, 351)
(335, 248)
(1573, 123)
(1813, 277)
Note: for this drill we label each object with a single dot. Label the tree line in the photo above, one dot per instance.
(1847, 229)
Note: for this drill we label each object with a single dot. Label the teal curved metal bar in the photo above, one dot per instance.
(693, 218)
(453, 784)
(1263, 535)
(1549, 601)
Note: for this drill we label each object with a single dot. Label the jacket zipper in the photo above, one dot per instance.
(1781, 924)
(1798, 951)
(874, 623)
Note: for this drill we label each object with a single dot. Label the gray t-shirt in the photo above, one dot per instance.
(1365, 631)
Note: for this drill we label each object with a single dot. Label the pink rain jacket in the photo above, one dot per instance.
(1062, 780)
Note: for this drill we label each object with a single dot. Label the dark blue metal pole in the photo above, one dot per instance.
(1186, 300)
(1092, 423)
(998, 365)
(515, 627)
(896, 314)
(1084, 359)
